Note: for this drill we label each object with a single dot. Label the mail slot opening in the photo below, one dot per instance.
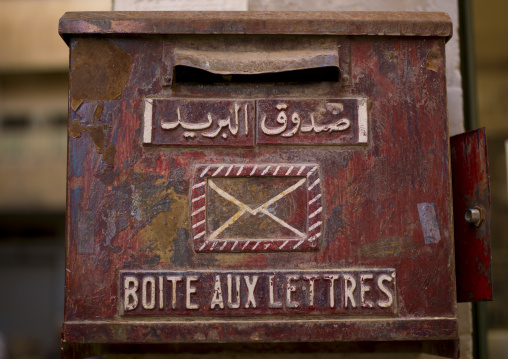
(192, 75)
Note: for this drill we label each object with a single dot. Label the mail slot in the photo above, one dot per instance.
(259, 177)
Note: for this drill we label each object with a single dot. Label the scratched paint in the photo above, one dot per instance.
(429, 223)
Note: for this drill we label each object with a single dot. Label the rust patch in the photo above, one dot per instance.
(393, 56)
(433, 59)
(98, 135)
(75, 129)
(109, 154)
(98, 112)
(99, 71)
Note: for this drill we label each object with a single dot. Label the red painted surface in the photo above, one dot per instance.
(471, 189)
(130, 204)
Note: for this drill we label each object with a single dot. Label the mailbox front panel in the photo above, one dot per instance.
(257, 187)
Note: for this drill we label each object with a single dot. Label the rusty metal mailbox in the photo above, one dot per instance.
(259, 177)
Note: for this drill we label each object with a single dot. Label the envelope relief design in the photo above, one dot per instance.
(256, 207)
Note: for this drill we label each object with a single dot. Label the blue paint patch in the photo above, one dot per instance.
(86, 231)
(75, 198)
(82, 220)
(77, 156)
(428, 220)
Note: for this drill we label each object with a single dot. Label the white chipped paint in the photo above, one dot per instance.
(315, 199)
(299, 243)
(349, 288)
(253, 170)
(314, 237)
(363, 134)
(364, 288)
(265, 170)
(218, 171)
(130, 299)
(217, 299)
(200, 184)
(233, 304)
(205, 171)
(289, 170)
(148, 295)
(147, 121)
(389, 297)
(311, 291)
(314, 226)
(161, 292)
(189, 290)
(276, 170)
(198, 224)
(316, 212)
(239, 171)
(312, 171)
(290, 288)
(300, 170)
(199, 235)
(251, 287)
(174, 281)
(198, 211)
(272, 303)
(198, 198)
(331, 297)
(316, 182)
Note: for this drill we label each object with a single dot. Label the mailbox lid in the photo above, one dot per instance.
(379, 199)
(378, 23)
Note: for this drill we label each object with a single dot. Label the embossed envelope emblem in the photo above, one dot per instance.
(258, 207)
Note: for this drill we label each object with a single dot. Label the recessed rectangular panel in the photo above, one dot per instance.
(186, 122)
(256, 207)
(334, 292)
(312, 122)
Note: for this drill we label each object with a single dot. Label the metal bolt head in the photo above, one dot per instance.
(474, 216)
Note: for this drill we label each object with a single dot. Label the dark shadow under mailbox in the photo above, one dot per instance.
(259, 177)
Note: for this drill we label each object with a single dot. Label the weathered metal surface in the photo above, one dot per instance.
(262, 204)
(259, 22)
(471, 190)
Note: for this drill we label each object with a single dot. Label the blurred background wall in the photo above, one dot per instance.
(33, 127)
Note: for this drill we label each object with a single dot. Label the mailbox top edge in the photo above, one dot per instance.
(383, 23)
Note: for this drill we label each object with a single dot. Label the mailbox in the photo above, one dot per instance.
(259, 177)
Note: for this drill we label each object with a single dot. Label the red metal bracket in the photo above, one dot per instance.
(471, 211)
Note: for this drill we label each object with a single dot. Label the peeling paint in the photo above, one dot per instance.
(75, 129)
